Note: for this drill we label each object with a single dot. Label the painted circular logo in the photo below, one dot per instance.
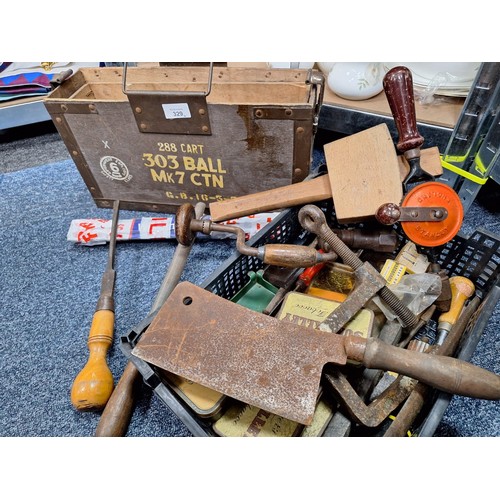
(113, 168)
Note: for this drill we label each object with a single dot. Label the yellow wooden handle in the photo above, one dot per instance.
(101, 329)
(93, 386)
(461, 289)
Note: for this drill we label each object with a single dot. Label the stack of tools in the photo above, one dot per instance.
(275, 364)
(344, 316)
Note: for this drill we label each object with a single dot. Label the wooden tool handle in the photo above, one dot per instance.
(294, 255)
(116, 416)
(317, 189)
(461, 289)
(398, 86)
(93, 386)
(441, 372)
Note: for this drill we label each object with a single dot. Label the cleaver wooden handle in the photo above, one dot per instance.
(441, 372)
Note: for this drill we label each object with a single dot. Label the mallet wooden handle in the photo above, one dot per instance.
(308, 191)
(441, 372)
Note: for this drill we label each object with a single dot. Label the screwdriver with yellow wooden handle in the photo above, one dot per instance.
(461, 289)
(93, 386)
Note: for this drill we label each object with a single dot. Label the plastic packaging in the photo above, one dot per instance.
(416, 291)
(91, 232)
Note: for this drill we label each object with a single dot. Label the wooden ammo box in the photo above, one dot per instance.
(157, 137)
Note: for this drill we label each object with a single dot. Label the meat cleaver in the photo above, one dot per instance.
(277, 365)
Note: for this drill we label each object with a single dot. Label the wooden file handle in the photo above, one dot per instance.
(441, 372)
(398, 86)
(116, 416)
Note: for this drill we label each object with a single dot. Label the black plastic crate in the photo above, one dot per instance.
(476, 257)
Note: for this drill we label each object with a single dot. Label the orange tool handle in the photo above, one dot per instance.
(308, 274)
(461, 289)
(93, 386)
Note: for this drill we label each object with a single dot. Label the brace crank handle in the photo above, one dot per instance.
(441, 372)
(293, 255)
(186, 227)
(398, 87)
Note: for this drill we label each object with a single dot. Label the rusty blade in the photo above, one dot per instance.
(251, 357)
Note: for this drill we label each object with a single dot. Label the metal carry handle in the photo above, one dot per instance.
(171, 93)
(148, 109)
(317, 82)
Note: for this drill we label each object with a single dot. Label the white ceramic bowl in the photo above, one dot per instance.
(356, 81)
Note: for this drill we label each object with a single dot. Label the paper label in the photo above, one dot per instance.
(242, 420)
(311, 311)
(176, 110)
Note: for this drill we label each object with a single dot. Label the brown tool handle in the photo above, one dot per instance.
(93, 386)
(317, 189)
(116, 416)
(441, 372)
(398, 86)
(413, 405)
(294, 255)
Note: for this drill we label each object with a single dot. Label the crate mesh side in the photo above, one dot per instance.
(476, 258)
